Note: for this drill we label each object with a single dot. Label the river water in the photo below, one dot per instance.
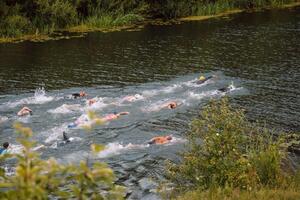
(257, 53)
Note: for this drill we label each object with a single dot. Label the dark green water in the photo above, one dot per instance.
(258, 52)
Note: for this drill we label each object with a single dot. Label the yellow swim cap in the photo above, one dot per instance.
(201, 78)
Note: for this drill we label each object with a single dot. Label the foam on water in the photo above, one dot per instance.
(38, 98)
(74, 157)
(165, 90)
(176, 140)
(116, 148)
(54, 133)
(162, 104)
(66, 108)
(170, 89)
(202, 95)
(131, 98)
(23, 119)
(9, 171)
(3, 119)
(98, 105)
(192, 83)
(15, 148)
(54, 145)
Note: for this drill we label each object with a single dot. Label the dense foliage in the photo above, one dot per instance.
(227, 152)
(40, 179)
(19, 17)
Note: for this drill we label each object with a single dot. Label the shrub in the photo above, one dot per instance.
(56, 14)
(15, 25)
(226, 150)
(41, 179)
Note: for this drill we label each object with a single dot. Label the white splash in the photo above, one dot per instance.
(66, 108)
(98, 105)
(54, 133)
(162, 104)
(193, 83)
(17, 148)
(132, 98)
(38, 98)
(170, 89)
(3, 119)
(166, 90)
(202, 94)
(74, 157)
(230, 88)
(116, 148)
(24, 119)
(60, 141)
(176, 140)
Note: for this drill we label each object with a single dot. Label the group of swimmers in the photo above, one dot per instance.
(83, 120)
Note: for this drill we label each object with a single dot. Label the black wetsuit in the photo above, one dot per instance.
(203, 81)
(151, 142)
(224, 89)
(75, 95)
(65, 137)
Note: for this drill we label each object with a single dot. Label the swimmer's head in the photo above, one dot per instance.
(82, 94)
(201, 78)
(169, 137)
(172, 105)
(91, 101)
(5, 145)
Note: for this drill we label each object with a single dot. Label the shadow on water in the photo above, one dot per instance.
(259, 52)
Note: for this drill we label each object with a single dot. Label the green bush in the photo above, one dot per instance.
(15, 25)
(54, 14)
(41, 179)
(226, 150)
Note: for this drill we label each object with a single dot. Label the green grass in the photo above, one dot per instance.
(110, 21)
(213, 8)
(289, 193)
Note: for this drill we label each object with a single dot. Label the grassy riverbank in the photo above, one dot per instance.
(38, 20)
(229, 157)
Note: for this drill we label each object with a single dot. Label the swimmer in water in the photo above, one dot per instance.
(83, 119)
(161, 140)
(226, 89)
(170, 105)
(4, 149)
(131, 98)
(91, 101)
(113, 116)
(203, 79)
(66, 139)
(78, 95)
(24, 111)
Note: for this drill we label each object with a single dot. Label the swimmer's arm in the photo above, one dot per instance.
(122, 113)
(38, 147)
